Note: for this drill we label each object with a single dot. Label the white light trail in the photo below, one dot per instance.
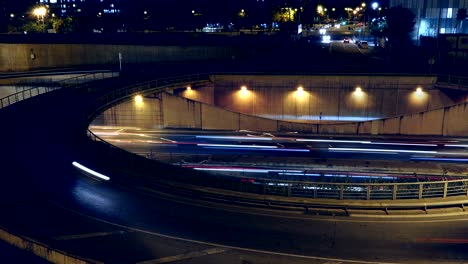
(331, 141)
(383, 150)
(97, 174)
(457, 146)
(402, 144)
(236, 146)
(235, 138)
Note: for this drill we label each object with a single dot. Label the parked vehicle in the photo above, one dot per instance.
(363, 45)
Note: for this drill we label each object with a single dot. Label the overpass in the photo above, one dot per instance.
(54, 145)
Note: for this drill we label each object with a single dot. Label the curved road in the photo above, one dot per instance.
(41, 191)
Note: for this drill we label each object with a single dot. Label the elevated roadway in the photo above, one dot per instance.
(122, 221)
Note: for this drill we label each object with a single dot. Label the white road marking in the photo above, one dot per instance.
(88, 235)
(226, 246)
(189, 255)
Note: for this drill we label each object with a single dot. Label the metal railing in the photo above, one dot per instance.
(151, 86)
(299, 189)
(453, 80)
(263, 186)
(73, 82)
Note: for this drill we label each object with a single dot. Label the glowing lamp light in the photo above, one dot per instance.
(358, 90)
(419, 90)
(138, 99)
(40, 11)
(189, 88)
(300, 89)
(243, 88)
(375, 5)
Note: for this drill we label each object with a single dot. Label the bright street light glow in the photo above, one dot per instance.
(244, 88)
(40, 11)
(375, 5)
(138, 99)
(97, 174)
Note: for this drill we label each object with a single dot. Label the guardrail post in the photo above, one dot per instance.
(420, 191)
(394, 193)
(368, 195)
(341, 192)
(445, 189)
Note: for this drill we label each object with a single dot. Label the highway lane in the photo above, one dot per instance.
(37, 171)
(388, 240)
(441, 156)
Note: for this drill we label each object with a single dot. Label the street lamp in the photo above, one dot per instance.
(40, 13)
(375, 5)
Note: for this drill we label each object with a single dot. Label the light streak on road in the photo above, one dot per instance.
(168, 140)
(261, 149)
(402, 144)
(331, 141)
(457, 146)
(440, 159)
(252, 170)
(106, 133)
(381, 150)
(94, 173)
(236, 146)
(235, 138)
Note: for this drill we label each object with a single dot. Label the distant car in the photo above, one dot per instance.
(346, 40)
(363, 45)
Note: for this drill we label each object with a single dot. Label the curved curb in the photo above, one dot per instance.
(41, 250)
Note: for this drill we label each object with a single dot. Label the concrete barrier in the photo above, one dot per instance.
(24, 57)
(50, 254)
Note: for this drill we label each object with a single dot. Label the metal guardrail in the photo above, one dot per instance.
(123, 93)
(453, 80)
(263, 186)
(73, 82)
(299, 189)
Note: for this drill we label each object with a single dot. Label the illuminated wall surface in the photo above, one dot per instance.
(221, 102)
(329, 98)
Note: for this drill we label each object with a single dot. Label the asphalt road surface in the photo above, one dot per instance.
(43, 196)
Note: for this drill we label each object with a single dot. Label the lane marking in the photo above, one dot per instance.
(190, 255)
(216, 245)
(88, 235)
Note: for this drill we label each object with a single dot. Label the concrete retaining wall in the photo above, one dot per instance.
(130, 114)
(179, 112)
(22, 57)
(331, 97)
(222, 97)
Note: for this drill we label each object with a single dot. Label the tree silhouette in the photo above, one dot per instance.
(400, 23)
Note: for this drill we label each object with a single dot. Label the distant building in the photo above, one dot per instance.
(435, 16)
(80, 7)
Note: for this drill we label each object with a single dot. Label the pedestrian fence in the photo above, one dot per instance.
(73, 82)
